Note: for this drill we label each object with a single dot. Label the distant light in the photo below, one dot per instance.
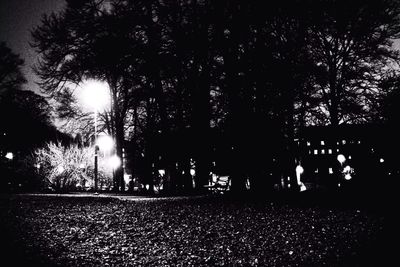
(105, 143)
(347, 169)
(299, 169)
(302, 187)
(60, 169)
(82, 166)
(192, 172)
(330, 170)
(341, 158)
(161, 172)
(37, 165)
(381, 160)
(299, 172)
(114, 162)
(338, 185)
(127, 178)
(10, 155)
(347, 176)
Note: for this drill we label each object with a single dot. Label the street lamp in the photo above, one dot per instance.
(96, 95)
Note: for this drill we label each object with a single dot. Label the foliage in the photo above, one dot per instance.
(352, 49)
(184, 73)
(11, 77)
(71, 167)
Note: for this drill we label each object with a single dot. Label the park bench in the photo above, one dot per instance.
(220, 185)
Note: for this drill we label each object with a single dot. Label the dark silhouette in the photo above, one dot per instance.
(225, 86)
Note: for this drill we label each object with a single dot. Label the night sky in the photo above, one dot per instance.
(17, 18)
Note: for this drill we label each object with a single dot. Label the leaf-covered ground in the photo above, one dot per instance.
(193, 232)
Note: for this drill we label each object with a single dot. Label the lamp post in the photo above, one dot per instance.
(96, 150)
(95, 94)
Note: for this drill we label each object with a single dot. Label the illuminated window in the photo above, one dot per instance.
(329, 151)
(308, 144)
(349, 156)
(343, 142)
(330, 170)
(322, 143)
(309, 152)
(315, 152)
(316, 170)
(359, 142)
(323, 151)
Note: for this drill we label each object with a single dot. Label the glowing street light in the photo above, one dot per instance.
(60, 169)
(299, 172)
(114, 162)
(95, 95)
(341, 159)
(9, 155)
(105, 143)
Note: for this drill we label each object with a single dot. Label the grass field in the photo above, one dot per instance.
(61, 231)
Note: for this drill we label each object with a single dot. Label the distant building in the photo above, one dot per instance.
(366, 162)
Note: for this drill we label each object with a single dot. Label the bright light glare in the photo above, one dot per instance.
(95, 94)
(10, 155)
(341, 158)
(114, 162)
(299, 172)
(347, 176)
(60, 169)
(347, 168)
(302, 187)
(105, 143)
(381, 160)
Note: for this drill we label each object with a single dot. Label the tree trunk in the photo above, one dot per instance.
(119, 140)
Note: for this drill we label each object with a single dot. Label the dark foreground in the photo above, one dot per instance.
(59, 231)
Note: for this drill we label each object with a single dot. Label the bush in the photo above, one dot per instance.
(70, 168)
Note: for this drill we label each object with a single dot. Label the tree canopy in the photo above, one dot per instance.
(184, 74)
